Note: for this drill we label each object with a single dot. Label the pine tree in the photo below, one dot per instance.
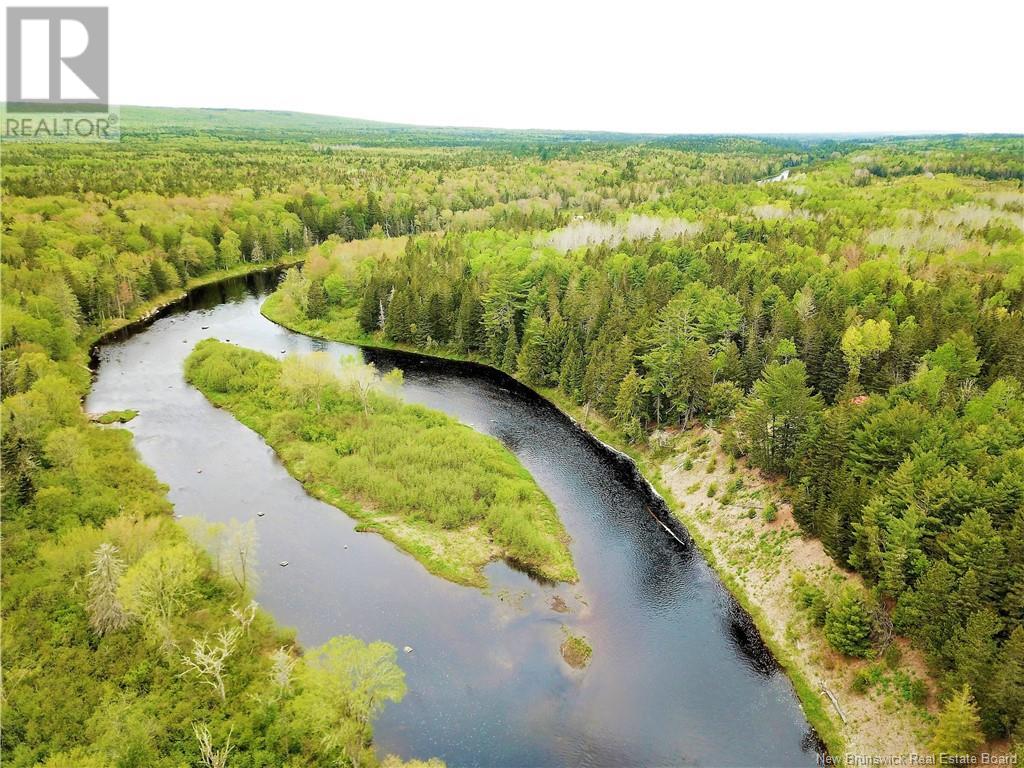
(777, 414)
(396, 325)
(973, 652)
(570, 379)
(555, 340)
(530, 361)
(967, 599)
(511, 354)
(629, 406)
(369, 307)
(467, 322)
(958, 729)
(1013, 603)
(106, 614)
(977, 546)
(316, 300)
(923, 612)
(904, 553)
(848, 624)
(1008, 686)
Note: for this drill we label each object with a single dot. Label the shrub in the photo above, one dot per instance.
(771, 512)
(892, 655)
(811, 598)
(862, 681)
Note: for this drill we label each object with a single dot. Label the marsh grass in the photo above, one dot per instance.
(451, 497)
(118, 417)
(576, 650)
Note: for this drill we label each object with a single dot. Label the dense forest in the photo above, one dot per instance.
(857, 332)
(856, 328)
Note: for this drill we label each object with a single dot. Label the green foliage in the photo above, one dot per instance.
(576, 651)
(342, 685)
(410, 472)
(865, 340)
(118, 417)
(811, 598)
(864, 333)
(778, 414)
(893, 269)
(958, 729)
(629, 406)
(848, 624)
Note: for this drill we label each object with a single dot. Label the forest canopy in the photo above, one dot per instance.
(855, 329)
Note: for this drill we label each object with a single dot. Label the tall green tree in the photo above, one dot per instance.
(958, 728)
(778, 414)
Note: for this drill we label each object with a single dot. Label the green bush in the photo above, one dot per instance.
(811, 598)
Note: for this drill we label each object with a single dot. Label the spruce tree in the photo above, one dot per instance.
(530, 360)
(973, 652)
(958, 729)
(1008, 686)
(977, 546)
(316, 300)
(511, 355)
(848, 624)
(629, 406)
(570, 379)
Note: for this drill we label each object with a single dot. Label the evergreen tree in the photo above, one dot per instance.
(530, 360)
(1008, 685)
(396, 324)
(510, 358)
(848, 624)
(958, 728)
(777, 415)
(923, 612)
(316, 300)
(467, 323)
(973, 652)
(977, 546)
(629, 406)
(555, 340)
(368, 313)
(570, 379)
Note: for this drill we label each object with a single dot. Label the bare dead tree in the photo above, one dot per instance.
(106, 614)
(282, 670)
(245, 615)
(208, 659)
(212, 758)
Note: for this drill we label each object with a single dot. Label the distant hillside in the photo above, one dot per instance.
(300, 126)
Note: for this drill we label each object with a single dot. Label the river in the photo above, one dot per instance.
(679, 674)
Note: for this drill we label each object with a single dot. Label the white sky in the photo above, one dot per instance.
(671, 67)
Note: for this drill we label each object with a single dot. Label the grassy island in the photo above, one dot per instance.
(451, 497)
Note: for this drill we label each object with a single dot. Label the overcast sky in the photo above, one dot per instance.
(670, 67)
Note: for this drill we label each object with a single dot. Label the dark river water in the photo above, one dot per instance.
(679, 674)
